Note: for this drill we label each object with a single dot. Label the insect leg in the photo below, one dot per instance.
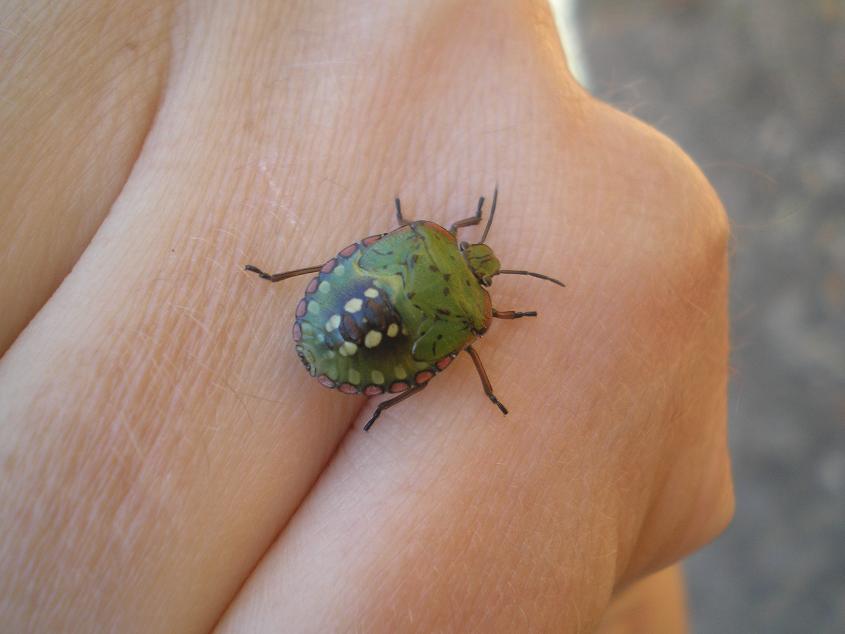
(485, 382)
(468, 222)
(278, 277)
(399, 217)
(391, 402)
(513, 314)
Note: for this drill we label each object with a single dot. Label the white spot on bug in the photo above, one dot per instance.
(392, 330)
(339, 270)
(371, 293)
(333, 323)
(314, 307)
(400, 373)
(353, 305)
(372, 339)
(348, 349)
(324, 287)
(377, 377)
(354, 376)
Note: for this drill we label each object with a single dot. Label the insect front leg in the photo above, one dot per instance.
(485, 381)
(399, 217)
(278, 277)
(513, 314)
(391, 402)
(468, 222)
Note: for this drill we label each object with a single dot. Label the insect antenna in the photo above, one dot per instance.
(492, 212)
(540, 275)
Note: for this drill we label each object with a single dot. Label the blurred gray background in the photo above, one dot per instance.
(754, 90)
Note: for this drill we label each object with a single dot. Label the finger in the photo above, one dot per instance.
(158, 428)
(656, 604)
(610, 458)
(78, 98)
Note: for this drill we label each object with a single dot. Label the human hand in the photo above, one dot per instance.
(167, 461)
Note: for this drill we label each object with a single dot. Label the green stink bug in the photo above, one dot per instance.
(389, 312)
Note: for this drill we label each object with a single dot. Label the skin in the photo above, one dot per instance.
(656, 605)
(168, 465)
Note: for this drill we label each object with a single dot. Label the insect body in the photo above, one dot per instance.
(388, 313)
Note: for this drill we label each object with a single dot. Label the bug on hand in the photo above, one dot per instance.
(388, 313)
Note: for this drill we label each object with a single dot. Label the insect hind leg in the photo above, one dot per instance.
(485, 381)
(278, 277)
(391, 402)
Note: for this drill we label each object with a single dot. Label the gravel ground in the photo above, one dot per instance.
(754, 90)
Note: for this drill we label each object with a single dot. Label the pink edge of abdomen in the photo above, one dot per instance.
(301, 307)
(423, 376)
(371, 239)
(346, 252)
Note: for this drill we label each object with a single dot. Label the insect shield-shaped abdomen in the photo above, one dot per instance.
(351, 334)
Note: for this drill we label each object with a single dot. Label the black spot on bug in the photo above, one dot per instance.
(350, 330)
(379, 313)
(445, 290)
(433, 268)
(447, 276)
(443, 311)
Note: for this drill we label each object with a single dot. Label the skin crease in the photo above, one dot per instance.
(656, 605)
(167, 464)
